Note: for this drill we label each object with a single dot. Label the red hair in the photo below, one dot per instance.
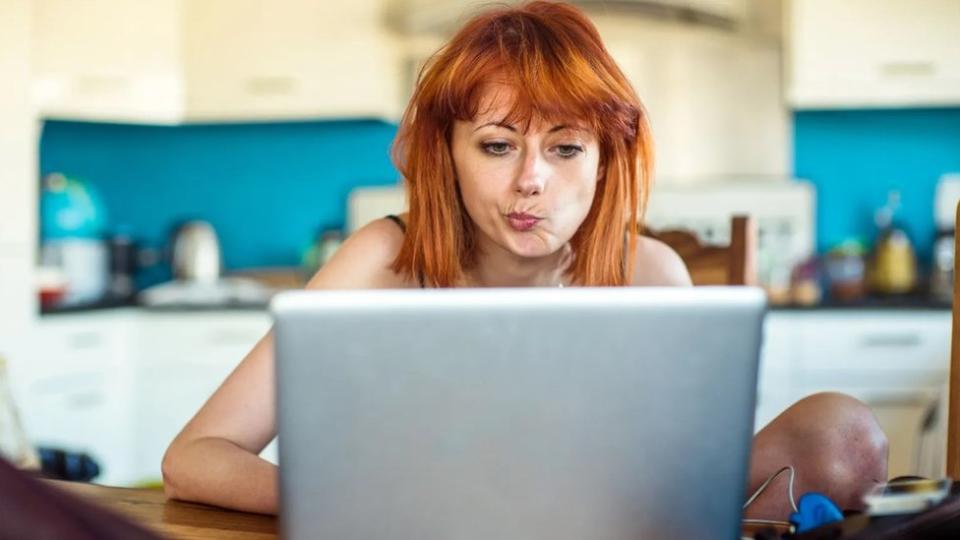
(553, 59)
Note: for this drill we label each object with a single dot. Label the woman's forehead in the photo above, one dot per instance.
(497, 105)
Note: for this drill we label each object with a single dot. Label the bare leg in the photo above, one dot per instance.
(832, 441)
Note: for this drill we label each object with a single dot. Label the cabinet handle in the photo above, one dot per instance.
(908, 69)
(899, 400)
(891, 340)
(98, 84)
(85, 340)
(271, 86)
(85, 400)
(232, 339)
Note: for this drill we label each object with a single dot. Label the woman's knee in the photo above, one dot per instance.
(836, 440)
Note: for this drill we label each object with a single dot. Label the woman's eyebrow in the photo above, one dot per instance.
(500, 124)
(554, 129)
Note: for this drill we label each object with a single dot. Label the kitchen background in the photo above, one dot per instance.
(837, 125)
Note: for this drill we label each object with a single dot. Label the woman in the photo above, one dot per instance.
(527, 158)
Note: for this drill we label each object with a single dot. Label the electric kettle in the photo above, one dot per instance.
(196, 253)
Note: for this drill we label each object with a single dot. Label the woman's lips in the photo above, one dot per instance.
(522, 222)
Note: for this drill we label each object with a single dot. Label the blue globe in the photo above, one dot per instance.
(70, 208)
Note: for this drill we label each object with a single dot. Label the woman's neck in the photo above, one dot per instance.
(497, 267)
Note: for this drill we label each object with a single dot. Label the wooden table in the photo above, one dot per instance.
(175, 519)
(189, 521)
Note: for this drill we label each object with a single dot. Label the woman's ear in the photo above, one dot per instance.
(601, 172)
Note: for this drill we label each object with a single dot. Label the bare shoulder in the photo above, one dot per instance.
(657, 265)
(364, 260)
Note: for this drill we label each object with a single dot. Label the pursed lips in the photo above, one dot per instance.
(522, 221)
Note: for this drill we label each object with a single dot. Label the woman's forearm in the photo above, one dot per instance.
(216, 471)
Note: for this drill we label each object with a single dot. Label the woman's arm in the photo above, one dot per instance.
(215, 458)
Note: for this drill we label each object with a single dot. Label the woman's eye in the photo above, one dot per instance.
(568, 150)
(496, 148)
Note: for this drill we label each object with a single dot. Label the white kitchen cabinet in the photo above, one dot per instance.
(777, 369)
(18, 172)
(121, 384)
(73, 387)
(173, 61)
(896, 362)
(865, 53)
(181, 360)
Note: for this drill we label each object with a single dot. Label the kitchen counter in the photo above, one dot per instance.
(106, 305)
(906, 303)
(909, 303)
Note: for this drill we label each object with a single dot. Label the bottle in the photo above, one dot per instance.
(893, 269)
(321, 251)
(942, 267)
(123, 266)
(13, 441)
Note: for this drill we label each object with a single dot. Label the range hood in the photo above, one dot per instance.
(443, 16)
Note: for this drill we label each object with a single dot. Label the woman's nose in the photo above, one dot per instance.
(532, 178)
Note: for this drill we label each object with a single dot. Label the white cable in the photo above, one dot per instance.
(764, 485)
(767, 522)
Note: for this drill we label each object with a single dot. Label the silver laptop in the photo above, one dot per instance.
(601, 414)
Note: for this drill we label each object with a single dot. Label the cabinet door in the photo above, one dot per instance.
(865, 53)
(896, 363)
(185, 358)
(18, 299)
(171, 61)
(74, 391)
(108, 59)
(778, 368)
(250, 59)
(18, 130)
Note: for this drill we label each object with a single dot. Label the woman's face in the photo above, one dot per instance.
(526, 192)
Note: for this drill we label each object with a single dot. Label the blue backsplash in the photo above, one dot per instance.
(855, 157)
(266, 188)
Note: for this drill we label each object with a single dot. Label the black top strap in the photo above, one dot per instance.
(403, 228)
(398, 221)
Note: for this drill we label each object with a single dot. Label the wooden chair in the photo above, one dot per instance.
(734, 264)
(953, 405)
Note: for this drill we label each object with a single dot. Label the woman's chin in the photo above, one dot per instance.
(530, 247)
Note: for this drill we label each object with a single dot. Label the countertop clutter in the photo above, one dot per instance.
(82, 269)
(898, 304)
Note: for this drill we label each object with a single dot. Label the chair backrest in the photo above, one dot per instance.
(953, 406)
(733, 264)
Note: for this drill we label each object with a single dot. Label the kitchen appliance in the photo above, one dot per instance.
(72, 224)
(941, 271)
(195, 253)
(942, 263)
(196, 264)
(84, 265)
(893, 265)
(123, 266)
